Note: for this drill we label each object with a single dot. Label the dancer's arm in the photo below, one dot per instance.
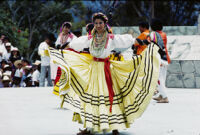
(80, 43)
(123, 41)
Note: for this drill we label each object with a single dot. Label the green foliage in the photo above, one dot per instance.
(172, 13)
(34, 19)
(17, 37)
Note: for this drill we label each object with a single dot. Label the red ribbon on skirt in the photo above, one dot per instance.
(108, 78)
(58, 75)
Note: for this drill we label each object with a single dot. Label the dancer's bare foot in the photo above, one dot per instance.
(84, 132)
(115, 132)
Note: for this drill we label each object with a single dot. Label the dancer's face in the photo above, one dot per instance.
(99, 25)
(66, 30)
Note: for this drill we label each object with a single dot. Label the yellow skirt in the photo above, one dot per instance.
(134, 82)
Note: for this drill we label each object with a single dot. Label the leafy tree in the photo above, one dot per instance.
(129, 13)
(172, 13)
(18, 37)
(40, 17)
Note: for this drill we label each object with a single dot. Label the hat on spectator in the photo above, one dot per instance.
(5, 66)
(37, 62)
(14, 49)
(6, 78)
(8, 44)
(17, 62)
(28, 67)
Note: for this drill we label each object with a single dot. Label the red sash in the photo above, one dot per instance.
(108, 78)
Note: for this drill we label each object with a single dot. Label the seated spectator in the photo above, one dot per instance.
(36, 73)
(7, 69)
(6, 75)
(3, 63)
(25, 62)
(6, 81)
(15, 54)
(27, 80)
(18, 73)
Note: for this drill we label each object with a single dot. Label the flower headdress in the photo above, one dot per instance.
(103, 17)
(69, 24)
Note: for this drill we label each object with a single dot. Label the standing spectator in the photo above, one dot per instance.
(156, 25)
(45, 60)
(36, 73)
(144, 29)
(18, 73)
(7, 54)
(2, 47)
(1, 39)
(15, 54)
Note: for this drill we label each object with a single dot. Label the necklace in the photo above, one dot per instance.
(64, 38)
(99, 38)
(98, 44)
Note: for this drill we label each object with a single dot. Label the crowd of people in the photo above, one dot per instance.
(16, 71)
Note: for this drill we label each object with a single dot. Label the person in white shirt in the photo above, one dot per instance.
(36, 73)
(18, 74)
(45, 59)
(7, 53)
(2, 47)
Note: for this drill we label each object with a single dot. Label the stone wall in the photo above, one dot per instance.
(170, 30)
(183, 74)
(184, 48)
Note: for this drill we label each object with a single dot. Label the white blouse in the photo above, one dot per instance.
(69, 39)
(118, 41)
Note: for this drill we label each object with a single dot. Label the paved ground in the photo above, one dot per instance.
(34, 111)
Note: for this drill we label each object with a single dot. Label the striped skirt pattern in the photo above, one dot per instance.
(134, 82)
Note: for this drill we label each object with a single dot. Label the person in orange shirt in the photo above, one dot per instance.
(144, 29)
(156, 25)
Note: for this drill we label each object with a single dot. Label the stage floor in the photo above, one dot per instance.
(35, 111)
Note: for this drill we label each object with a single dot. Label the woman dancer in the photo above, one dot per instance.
(112, 93)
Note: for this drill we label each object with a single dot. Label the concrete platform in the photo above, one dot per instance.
(35, 111)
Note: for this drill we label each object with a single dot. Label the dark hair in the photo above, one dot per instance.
(50, 36)
(156, 24)
(89, 27)
(101, 16)
(5, 38)
(3, 61)
(144, 24)
(68, 25)
(26, 61)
